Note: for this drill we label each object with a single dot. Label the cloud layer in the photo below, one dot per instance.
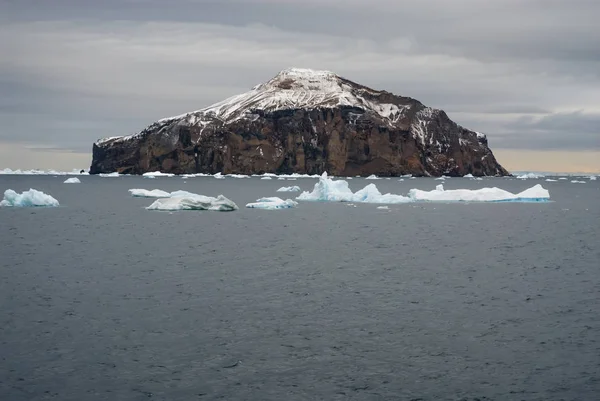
(526, 72)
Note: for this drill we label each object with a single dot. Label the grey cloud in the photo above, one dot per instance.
(78, 70)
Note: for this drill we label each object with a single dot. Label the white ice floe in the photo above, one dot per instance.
(592, 177)
(272, 203)
(563, 178)
(219, 176)
(196, 175)
(578, 182)
(237, 176)
(383, 207)
(110, 175)
(534, 194)
(373, 177)
(144, 193)
(550, 180)
(266, 178)
(338, 191)
(72, 180)
(8, 171)
(154, 174)
(530, 176)
(189, 201)
(31, 198)
(295, 188)
(468, 176)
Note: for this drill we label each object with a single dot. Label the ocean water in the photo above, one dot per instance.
(104, 300)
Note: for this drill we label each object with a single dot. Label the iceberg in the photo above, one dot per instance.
(592, 177)
(238, 176)
(578, 182)
(383, 207)
(338, 191)
(144, 193)
(294, 188)
(219, 176)
(72, 180)
(530, 176)
(468, 176)
(550, 180)
(272, 203)
(109, 175)
(534, 194)
(31, 198)
(154, 174)
(372, 177)
(189, 201)
(266, 178)
(9, 171)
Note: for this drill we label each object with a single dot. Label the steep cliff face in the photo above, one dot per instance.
(304, 121)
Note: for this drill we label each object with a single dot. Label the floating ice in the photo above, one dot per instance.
(272, 203)
(534, 194)
(338, 191)
(383, 207)
(550, 180)
(592, 178)
(109, 175)
(8, 171)
(563, 178)
(530, 175)
(295, 188)
(189, 201)
(238, 176)
(144, 193)
(29, 198)
(372, 177)
(468, 176)
(154, 174)
(219, 176)
(578, 182)
(266, 178)
(196, 175)
(72, 180)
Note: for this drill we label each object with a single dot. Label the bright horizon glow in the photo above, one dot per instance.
(25, 157)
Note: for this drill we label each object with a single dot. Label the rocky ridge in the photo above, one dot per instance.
(304, 121)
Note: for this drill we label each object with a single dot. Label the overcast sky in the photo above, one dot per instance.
(525, 72)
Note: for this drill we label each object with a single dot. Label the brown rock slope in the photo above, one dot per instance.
(304, 121)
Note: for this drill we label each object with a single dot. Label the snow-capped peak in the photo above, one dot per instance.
(297, 88)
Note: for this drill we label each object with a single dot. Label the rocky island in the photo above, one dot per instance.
(304, 121)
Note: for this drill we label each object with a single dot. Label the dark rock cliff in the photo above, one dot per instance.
(304, 121)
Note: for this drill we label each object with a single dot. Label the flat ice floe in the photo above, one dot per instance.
(534, 194)
(144, 193)
(530, 176)
(189, 201)
(72, 180)
(272, 203)
(154, 174)
(294, 188)
(31, 198)
(110, 175)
(8, 171)
(338, 191)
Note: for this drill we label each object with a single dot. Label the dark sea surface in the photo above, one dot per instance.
(104, 300)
